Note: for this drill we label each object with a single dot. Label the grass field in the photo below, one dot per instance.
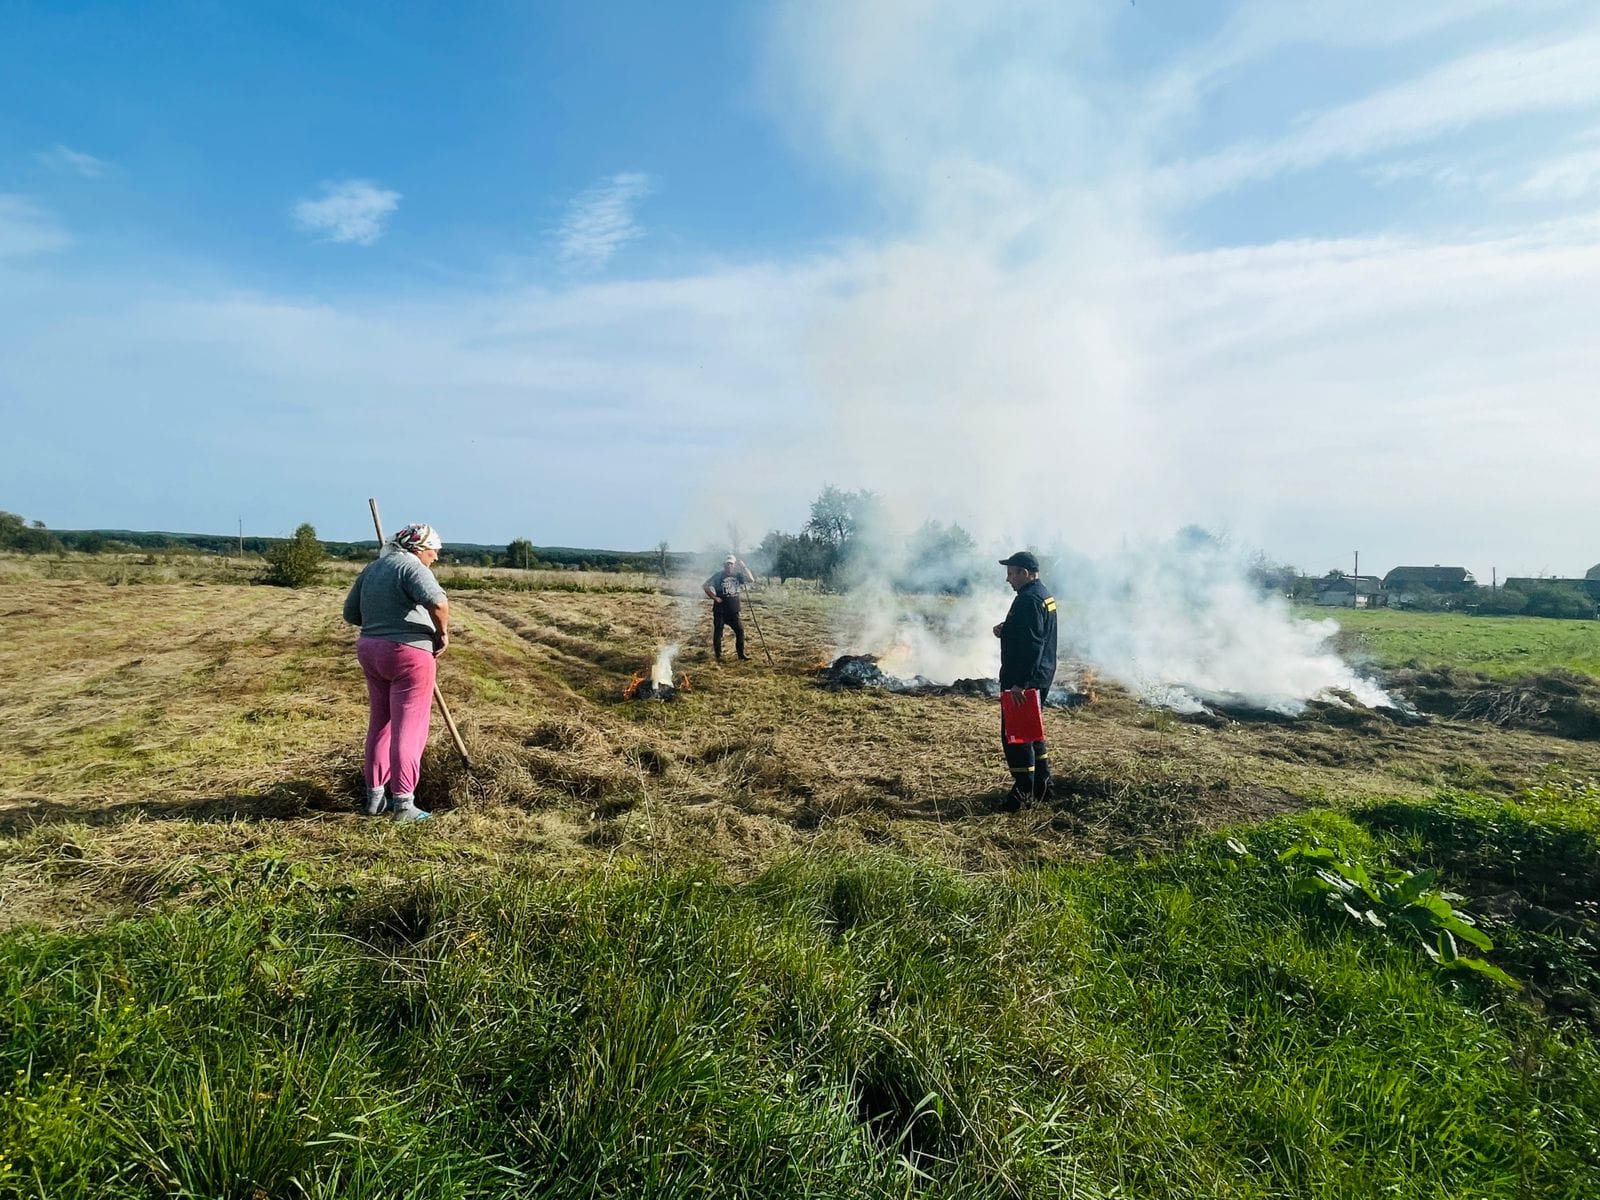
(1500, 647)
(766, 940)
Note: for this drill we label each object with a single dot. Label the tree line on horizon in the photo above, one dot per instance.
(834, 547)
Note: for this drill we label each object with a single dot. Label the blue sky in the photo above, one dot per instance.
(1321, 275)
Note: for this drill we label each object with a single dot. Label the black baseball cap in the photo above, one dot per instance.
(1021, 559)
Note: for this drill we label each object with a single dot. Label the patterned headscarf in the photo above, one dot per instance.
(416, 537)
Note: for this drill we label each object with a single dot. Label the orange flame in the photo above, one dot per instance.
(683, 683)
(634, 684)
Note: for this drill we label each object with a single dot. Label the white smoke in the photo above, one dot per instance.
(661, 670)
(1180, 623)
(995, 363)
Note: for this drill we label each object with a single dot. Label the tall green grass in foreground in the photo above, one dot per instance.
(877, 1027)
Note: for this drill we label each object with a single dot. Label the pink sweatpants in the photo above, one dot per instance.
(399, 701)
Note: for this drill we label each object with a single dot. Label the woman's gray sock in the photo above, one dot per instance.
(375, 802)
(405, 809)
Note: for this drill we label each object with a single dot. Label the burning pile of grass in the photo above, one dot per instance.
(657, 682)
(1338, 708)
(643, 687)
(853, 672)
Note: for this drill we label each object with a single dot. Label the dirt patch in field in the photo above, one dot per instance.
(1557, 703)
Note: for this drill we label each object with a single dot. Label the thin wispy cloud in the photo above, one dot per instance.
(76, 162)
(600, 220)
(1508, 81)
(25, 228)
(1568, 177)
(354, 212)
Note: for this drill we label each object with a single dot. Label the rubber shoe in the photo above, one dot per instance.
(406, 812)
(1045, 792)
(1016, 800)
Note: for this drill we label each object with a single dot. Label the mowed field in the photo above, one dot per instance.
(185, 722)
(766, 939)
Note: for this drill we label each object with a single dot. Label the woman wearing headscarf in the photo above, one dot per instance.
(405, 625)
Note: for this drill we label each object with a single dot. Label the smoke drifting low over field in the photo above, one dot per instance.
(1179, 623)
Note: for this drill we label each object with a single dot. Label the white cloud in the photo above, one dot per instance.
(25, 228)
(1553, 75)
(1567, 177)
(353, 211)
(1440, 173)
(600, 220)
(64, 158)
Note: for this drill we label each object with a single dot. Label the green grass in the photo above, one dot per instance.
(874, 1026)
(1497, 646)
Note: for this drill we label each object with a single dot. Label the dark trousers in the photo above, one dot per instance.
(726, 612)
(1029, 763)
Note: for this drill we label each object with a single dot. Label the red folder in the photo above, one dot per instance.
(1021, 721)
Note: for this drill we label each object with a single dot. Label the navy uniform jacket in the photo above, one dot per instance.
(1028, 640)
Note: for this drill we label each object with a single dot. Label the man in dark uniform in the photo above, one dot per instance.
(726, 589)
(1027, 660)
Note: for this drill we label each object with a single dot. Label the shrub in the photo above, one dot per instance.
(1502, 601)
(1559, 600)
(296, 562)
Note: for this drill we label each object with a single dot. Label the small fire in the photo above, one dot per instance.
(657, 681)
(1089, 680)
(895, 659)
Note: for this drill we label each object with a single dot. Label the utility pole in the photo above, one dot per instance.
(1355, 583)
(1494, 579)
(241, 537)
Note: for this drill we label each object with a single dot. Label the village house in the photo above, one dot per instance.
(1437, 579)
(1350, 591)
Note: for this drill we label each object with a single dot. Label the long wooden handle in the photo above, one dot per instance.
(438, 696)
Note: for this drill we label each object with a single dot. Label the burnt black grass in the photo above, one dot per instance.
(869, 1025)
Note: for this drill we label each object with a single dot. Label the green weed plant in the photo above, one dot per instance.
(1393, 899)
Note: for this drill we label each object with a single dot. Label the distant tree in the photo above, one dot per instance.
(1499, 602)
(735, 538)
(836, 514)
(663, 559)
(802, 556)
(1272, 576)
(296, 562)
(91, 542)
(939, 558)
(1593, 572)
(520, 554)
(1558, 600)
(1198, 537)
(30, 538)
